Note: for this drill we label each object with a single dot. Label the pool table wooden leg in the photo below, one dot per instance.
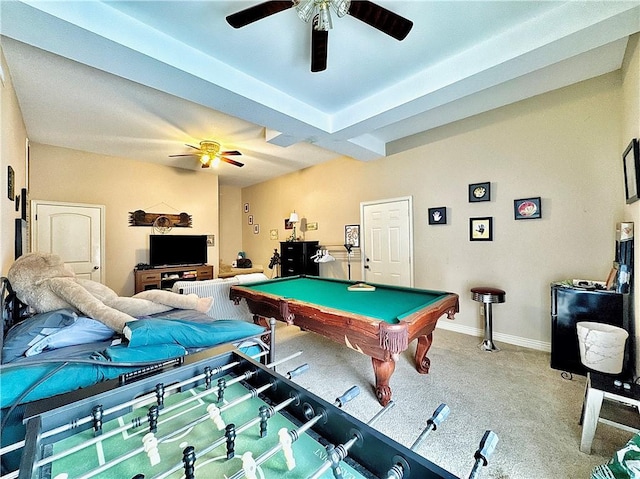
(383, 371)
(423, 363)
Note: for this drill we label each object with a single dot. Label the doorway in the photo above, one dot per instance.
(387, 251)
(73, 231)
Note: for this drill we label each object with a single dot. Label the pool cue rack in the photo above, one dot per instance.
(374, 453)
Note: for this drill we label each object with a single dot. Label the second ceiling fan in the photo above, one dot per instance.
(317, 11)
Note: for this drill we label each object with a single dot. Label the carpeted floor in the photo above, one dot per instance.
(513, 392)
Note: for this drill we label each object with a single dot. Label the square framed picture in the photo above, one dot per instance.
(479, 192)
(527, 208)
(631, 165)
(438, 216)
(481, 229)
(352, 235)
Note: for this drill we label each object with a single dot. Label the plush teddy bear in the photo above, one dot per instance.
(43, 282)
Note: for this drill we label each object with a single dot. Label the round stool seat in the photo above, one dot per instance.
(487, 295)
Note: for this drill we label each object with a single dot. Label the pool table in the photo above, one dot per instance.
(379, 323)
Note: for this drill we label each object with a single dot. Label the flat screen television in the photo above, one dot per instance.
(175, 250)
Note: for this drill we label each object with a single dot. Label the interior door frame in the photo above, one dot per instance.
(363, 243)
(32, 218)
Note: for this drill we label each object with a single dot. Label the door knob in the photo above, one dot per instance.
(95, 268)
(366, 266)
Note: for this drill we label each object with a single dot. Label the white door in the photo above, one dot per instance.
(72, 231)
(387, 254)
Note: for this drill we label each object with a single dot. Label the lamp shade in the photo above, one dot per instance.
(294, 217)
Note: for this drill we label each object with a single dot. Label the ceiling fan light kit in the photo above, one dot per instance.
(318, 10)
(209, 154)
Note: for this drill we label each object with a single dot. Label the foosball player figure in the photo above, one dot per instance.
(96, 412)
(222, 385)
(153, 418)
(230, 434)
(160, 395)
(207, 377)
(265, 412)
(189, 461)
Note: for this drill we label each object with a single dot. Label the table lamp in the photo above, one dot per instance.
(293, 219)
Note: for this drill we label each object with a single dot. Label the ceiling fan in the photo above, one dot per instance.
(209, 154)
(318, 10)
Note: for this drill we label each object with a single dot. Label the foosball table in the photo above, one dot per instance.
(219, 414)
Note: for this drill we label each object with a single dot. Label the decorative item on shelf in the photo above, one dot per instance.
(352, 235)
(293, 219)
(142, 218)
(438, 216)
(481, 229)
(479, 192)
(527, 208)
(631, 165)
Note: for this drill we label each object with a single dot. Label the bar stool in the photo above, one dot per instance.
(488, 296)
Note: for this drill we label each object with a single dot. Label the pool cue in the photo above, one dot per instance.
(296, 433)
(439, 415)
(335, 454)
(485, 449)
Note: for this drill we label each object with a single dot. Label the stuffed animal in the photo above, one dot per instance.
(43, 282)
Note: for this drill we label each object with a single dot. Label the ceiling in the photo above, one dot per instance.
(139, 79)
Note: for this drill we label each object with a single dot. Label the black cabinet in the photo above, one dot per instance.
(570, 306)
(295, 258)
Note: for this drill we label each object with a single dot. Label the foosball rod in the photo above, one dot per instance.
(485, 449)
(441, 413)
(339, 453)
(140, 401)
(143, 420)
(271, 411)
(296, 433)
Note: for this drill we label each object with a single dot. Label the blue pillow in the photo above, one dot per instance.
(144, 332)
(52, 330)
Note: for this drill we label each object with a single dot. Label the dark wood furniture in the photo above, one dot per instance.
(163, 278)
(379, 323)
(295, 258)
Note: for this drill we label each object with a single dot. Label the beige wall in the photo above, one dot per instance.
(631, 129)
(60, 174)
(563, 146)
(13, 136)
(231, 208)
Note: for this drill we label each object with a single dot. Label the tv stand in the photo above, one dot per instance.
(164, 277)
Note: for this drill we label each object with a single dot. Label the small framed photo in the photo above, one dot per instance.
(288, 225)
(246, 207)
(479, 192)
(631, 164)
(438, 216)
(250, 219)
(11, 178)
(481, 229)
(527, 208)
(352, 235)
(256, 229)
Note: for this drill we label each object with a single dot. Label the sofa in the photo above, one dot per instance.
(219, 289)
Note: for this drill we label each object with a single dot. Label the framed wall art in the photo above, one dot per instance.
(438, 216)
(250, 219)
(11, 178)
(631, 165)
(256, 229)
(479, 192)
(481, 229)
(352, 235)
(527, 208)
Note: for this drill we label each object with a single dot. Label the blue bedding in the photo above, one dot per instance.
(147, 340)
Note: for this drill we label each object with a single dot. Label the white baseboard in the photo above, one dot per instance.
(498, 337)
